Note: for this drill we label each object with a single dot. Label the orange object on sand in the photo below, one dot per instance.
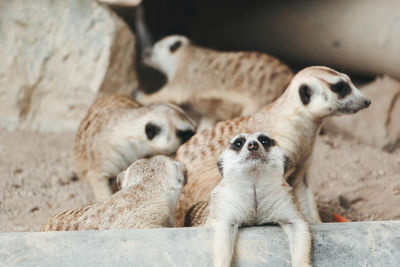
(340, 218)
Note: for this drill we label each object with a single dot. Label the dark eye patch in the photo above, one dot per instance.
(238, 143)
(341, 89)
(152, 130)
(175, 46)
(305, 94)
(184, 135)
(266, 141)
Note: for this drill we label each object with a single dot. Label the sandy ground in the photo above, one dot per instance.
(36, 179)
(349, 178)
(355, 180)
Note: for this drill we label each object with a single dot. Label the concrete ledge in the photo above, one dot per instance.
(334, 244)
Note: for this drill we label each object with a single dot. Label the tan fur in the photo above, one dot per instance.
(148, 201)
(286, 120)
(197, 214)
(222, 85)
(112, 136)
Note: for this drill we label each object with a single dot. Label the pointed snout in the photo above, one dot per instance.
(253, 146)
(358, 101)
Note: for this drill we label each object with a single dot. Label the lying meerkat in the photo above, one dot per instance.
(217, 85)
(252, 192)
(150, 190)
(293, 120)
(116, 131)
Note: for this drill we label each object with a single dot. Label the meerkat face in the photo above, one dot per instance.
(251, 152)
(165, 54)
(323, 91)
(167, 127)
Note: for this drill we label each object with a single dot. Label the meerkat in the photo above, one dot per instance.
(216, 85)
(116, 131)
(150, 190)
(252, 192)
(293, 120)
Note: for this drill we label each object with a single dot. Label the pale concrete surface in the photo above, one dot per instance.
(334, 244)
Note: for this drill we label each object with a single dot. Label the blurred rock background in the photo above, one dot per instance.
(57, 56)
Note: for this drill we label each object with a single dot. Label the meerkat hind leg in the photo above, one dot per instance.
(305, 201)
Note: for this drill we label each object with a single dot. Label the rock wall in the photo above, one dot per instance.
(56, 57)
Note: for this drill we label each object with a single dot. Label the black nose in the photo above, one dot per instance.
(184, 135)
(253, 146)
(367, 103)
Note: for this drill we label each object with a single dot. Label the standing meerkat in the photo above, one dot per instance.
(149, 191)
(217, 85)
(252, 192)
(293, 120)
(116, 131)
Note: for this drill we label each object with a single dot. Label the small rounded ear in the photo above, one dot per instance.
(305, 93)
(175, 46)
(152, 130)
(220, 166)
(121, 180)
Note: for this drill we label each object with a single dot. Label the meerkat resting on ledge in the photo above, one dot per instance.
(217, 85)
(149, 191)
(293, 120)
(252, 192)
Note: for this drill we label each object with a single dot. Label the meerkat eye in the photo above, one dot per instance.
(238, 143)
(305, 94)
(175, 46)
(152, 130)
(266, 141)
(341, 88)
